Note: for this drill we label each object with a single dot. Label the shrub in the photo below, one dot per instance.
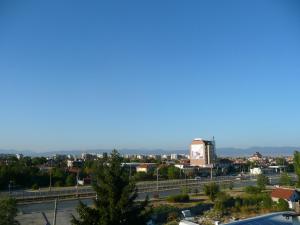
(172, 216)
(162, 212)
(223, 202)
(282, 205)
(185, 190)
(211, 190)
(8, 211)
(71, 180)
(58, 184)
(179, 198)
(35, 187)
(252, 190)
(267, 202)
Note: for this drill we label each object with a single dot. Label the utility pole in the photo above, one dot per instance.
(185, 181)
(9, 187)
(157, 179)
(77, 177)
(50, 182)
(55, 212)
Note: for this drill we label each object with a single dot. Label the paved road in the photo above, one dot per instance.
(270, 219)
(71, 204)
(143, 187)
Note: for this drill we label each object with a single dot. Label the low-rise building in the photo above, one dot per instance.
(256, 171)
(289, 194)
(19, 156)
(145, 167)
(165, 156)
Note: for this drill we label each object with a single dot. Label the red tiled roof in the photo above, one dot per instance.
(284, 193)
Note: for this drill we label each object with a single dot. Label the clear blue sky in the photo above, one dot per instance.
(149, 74)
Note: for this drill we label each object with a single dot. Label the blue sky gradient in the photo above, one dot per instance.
(149, 74)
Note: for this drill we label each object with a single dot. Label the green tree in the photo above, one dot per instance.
(116, 194)
(281, 161)
(297, 166)
(173, 172)
(282, 205)
(59, 176)
(163, 172)
(71, 180)
(267, 202)
(223, 202)
(39, 160)
(142, 176)
(262, 181)
(211, 190)
(252, 190)
(285, 179)
(8, 211)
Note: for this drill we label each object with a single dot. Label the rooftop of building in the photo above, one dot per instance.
(284, 193)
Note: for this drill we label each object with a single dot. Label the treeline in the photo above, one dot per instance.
(26, 173)
(22, 173)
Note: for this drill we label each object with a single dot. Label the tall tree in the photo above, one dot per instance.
(211, 190)
(116, 195)
(173, 172)
(262, 181)
(285, 179)
(297, 166)
(8, 211)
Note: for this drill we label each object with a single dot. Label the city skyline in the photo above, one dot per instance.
(148, 74)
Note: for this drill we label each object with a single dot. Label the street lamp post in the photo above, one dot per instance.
(50, 181)
(157, 179)
(77, 177)
(156, 194)
(185, 181)
(9, 187)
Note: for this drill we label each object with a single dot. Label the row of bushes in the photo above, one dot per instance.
(179, 198)
(262, 201)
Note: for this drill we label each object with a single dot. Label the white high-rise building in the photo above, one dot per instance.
(202, 153)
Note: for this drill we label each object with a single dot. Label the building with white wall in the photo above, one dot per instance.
(202, 153)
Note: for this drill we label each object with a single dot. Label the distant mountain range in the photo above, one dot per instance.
(266, 151)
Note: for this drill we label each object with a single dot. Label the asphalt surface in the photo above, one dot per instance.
(71, 204)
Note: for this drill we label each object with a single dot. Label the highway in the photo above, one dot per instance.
(43, 200)
(144, 188)
(148, 187)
